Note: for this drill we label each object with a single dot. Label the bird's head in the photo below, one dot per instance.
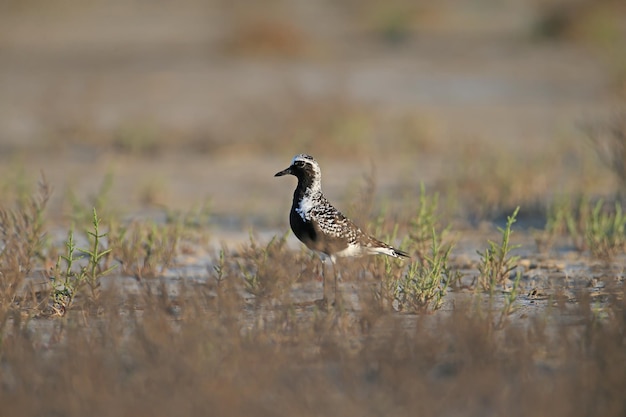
(304, 167)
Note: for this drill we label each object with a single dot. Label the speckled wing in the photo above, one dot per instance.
(333, 223)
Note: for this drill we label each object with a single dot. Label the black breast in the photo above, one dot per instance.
(313, 237)
(303, 230)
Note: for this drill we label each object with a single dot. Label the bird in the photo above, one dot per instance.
(321, 227)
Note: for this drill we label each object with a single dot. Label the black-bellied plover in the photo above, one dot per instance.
(323, 228)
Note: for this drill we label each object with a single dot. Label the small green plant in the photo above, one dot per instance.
(567, 217)
(145, 250)
(496, 262)
(95, 255)
(426, 281)
(220, 268)
(558, 216)
(605, 232)
(259, 267)
(225, 294)
(65, 281)
(594, 227)
(423, 223)
(69, 278)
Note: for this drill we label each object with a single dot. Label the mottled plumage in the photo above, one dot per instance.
(319, 225)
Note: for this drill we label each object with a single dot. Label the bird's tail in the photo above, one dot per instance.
(389, 251)
(399, 254)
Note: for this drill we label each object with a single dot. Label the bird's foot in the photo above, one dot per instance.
(323, 304)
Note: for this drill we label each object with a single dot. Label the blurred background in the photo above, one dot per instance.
(178, 104)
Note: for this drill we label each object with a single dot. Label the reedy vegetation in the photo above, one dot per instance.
(220, 344)
(424, 283)
(599, 228)
(145, 249)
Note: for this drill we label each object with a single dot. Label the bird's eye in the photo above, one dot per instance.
(299, 164)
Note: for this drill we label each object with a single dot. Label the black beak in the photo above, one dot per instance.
(283, 172)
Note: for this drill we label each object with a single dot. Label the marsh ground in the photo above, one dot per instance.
(171, 120)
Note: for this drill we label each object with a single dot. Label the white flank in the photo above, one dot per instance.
(351, 250)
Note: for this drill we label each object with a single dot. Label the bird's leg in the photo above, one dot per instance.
(324, 287)
(323, 302)
(337, 277)
(334, 275)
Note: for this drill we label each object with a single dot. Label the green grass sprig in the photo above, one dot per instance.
(69, 278)
(426, 281)
(496, 262)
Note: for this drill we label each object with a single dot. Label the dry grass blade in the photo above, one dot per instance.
(21, 233)
(294, 366)
(145, 249)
